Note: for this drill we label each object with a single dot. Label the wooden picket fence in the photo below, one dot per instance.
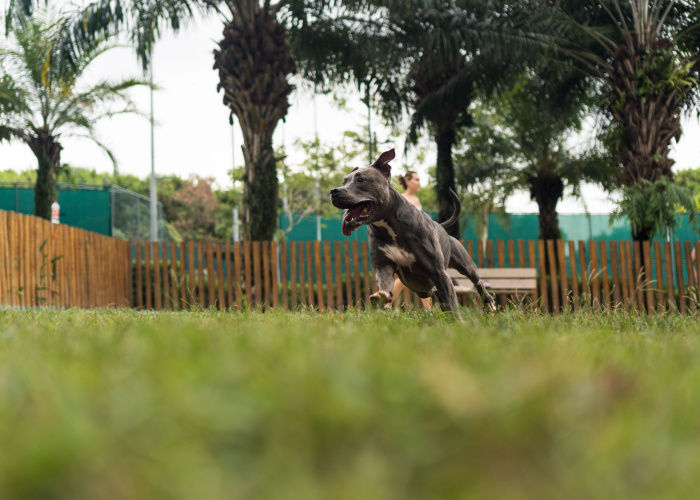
(44, 264)
(335, 275)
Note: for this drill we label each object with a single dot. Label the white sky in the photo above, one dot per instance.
(193, 135)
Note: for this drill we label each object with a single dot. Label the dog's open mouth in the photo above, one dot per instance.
(356, 216)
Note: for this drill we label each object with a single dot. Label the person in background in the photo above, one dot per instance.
(411, 184)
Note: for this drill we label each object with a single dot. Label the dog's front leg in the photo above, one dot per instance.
(385, 281)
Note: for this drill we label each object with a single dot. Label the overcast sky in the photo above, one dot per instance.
(193, 135)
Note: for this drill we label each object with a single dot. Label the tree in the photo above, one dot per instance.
(652, 207)
(42, 99)
(531, 124)
(690, 178)
(194, 209)
(642, 53)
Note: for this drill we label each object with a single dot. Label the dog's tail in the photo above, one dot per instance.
(455, 215)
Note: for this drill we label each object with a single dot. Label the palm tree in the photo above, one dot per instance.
(640, 51)
(254, 62)
(42, 100)
(529, 129)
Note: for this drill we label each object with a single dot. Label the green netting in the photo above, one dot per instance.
(104, 209)
(518, 226)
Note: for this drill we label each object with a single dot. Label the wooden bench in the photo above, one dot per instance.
(520, 282)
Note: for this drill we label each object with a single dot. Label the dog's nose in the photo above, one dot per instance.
(335, 191)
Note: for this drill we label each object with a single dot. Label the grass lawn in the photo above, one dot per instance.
(125, 405)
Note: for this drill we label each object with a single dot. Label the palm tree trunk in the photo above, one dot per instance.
(445, 178)
(48, 154)
(547, 191)
(254, 61)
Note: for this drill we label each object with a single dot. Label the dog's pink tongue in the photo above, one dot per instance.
(350, 215)
(346, 230)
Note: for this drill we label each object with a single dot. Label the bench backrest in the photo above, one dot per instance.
(501, 279)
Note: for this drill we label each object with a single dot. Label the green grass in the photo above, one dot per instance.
(119, 404)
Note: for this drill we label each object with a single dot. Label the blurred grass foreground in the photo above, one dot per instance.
(125, 405)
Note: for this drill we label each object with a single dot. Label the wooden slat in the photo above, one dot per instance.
(338, 275)
(302, 275)
(638, 276)
(191, 284)
(230, 300)
(267, 296)
(201, 298)
(328, 265)
(157, 290)
(237, 280)
(585, 279)
(489, 253)
(356, 274)
(319, 276)
(220, 275)
(521, 254)
(500, 253)
(348, 275)
(257, 274)
(470, 249)
(183, 276)
(248, 267)
(563, 275)
(310, 274)
(624, 274)
(670, 287)
(660, 289)
(604, 273)
(596, 273)
(273, 264)
(552, 258)
(284, 271)
(679, 277)
(533, 264)
(175, 284)
(511, 253)
(4, 259)
(366, 270)
(574, 275)
(544, 294)
(504, 273)
(139, 276)
(166, 280)
(211, 273)
(648, 281)
(148, 275)
(691, 290)
(480, 250)
(501, 259)
(293, 273)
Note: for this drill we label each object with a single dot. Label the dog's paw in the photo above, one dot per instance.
(380, 298)
(491, 304)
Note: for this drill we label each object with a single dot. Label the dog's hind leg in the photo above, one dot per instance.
(446, 295)
(464, 264)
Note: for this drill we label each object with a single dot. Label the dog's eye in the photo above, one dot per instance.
(360, 179)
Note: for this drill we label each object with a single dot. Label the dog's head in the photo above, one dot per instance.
(363, 191)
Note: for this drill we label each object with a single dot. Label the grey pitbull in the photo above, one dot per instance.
(404, 240)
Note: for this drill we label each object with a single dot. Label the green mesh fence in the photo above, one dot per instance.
(104, 209)
(518, 226)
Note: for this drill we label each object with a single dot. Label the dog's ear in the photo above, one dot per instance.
(383, 162)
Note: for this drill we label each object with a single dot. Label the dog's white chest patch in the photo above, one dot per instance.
(398, 255)
(382, 223)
